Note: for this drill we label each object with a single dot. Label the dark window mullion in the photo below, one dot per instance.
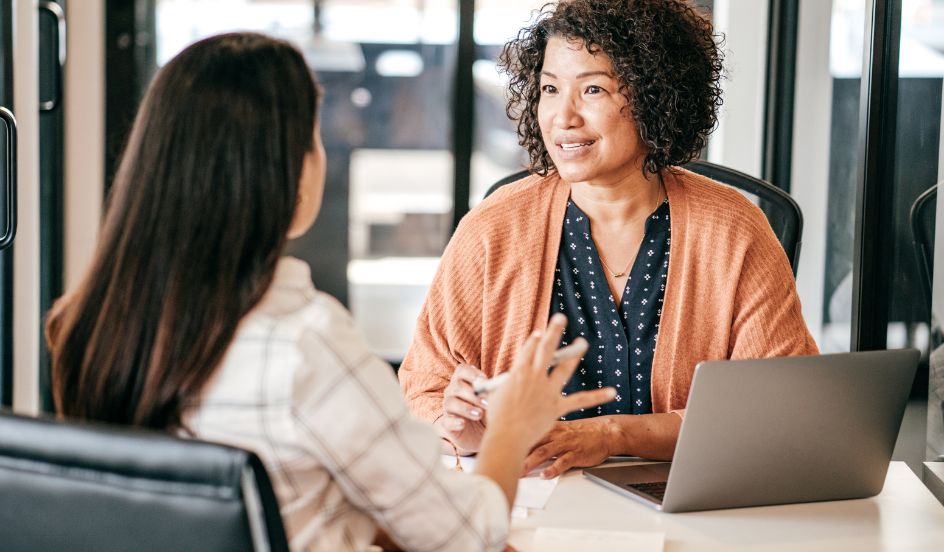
(874, 231)
(463, 115)
(51, 166)
(783, 18)
(6, 256)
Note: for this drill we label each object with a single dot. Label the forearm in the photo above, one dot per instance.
(650, 436)
(501, 458)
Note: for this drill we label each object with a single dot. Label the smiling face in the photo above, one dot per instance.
(585, 121)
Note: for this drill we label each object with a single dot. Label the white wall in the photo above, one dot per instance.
(940, 154)
(810, 167)
(937, 297)
(85, 135)
(738, 141)
(26, 318)
(84, 160)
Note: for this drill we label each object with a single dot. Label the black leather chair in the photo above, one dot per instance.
(78, 487)
(782, 211)
(922, 230)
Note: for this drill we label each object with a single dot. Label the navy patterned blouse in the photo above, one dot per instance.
(622, 337)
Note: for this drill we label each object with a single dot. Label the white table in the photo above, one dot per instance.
(905, 516)
(934, 478)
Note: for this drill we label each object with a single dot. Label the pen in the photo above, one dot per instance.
(484, 386)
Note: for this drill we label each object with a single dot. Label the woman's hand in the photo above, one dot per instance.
(588, 442)
(463, 421)
(527, 405)
(576, 444)
(530, 400)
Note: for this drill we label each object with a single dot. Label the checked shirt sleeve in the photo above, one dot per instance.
(351, 415)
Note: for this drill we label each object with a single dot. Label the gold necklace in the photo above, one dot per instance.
(623, 272)
(608, 269)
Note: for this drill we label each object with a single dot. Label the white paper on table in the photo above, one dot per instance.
(549, 539)
(533, 492)
(467, 462)
(519, 512)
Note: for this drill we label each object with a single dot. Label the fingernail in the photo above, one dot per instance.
(460, 423)
(484, 402)
(559, 318)
(475, 413)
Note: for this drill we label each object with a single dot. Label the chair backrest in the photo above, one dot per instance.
(922, 230)
(78, 487)
(782, 211)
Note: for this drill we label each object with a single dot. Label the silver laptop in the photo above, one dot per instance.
(778, 431)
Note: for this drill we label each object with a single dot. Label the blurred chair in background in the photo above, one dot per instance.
(782, 211)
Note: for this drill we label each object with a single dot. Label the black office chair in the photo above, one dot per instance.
(782, 211)
(78, 487)
(922, 231)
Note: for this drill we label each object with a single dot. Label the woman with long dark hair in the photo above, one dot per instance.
(190, 320)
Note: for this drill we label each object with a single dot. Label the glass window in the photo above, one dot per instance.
(738, 140)
(386, 67)
(496, 153)
(918, 168)
(826, 161)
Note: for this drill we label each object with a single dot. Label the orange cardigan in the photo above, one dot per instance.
(730, 291)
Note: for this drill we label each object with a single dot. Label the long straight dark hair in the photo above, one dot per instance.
(196, 221)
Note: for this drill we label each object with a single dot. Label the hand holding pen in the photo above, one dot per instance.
(529, 400)
(464, 408)
(482, 387)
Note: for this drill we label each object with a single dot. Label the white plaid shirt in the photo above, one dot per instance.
(299, 387)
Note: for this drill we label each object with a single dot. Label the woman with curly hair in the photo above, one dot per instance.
(659, 268)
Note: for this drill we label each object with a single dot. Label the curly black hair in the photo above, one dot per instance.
(667, 60)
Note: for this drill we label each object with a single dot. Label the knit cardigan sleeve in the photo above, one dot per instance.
(449, 327)
(733, 295)
(768, 320)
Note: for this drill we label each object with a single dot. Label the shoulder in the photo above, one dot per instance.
(292, 304)
(326, 326)
(312, 322)
(511, 202)
(514, 214)
(501, 223)
(715, 206)
(332, 349)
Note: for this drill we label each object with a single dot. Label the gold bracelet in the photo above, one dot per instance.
(455, 450)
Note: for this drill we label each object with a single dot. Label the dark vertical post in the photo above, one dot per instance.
(52, 57)
(130, 61)
(316, 23)
(874, 233)
(121, 89)
(783, 17)
(463, 114)
(6, 256)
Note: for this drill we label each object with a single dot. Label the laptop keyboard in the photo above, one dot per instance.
(655, 490)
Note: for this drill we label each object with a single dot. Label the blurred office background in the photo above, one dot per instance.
(837, 102)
